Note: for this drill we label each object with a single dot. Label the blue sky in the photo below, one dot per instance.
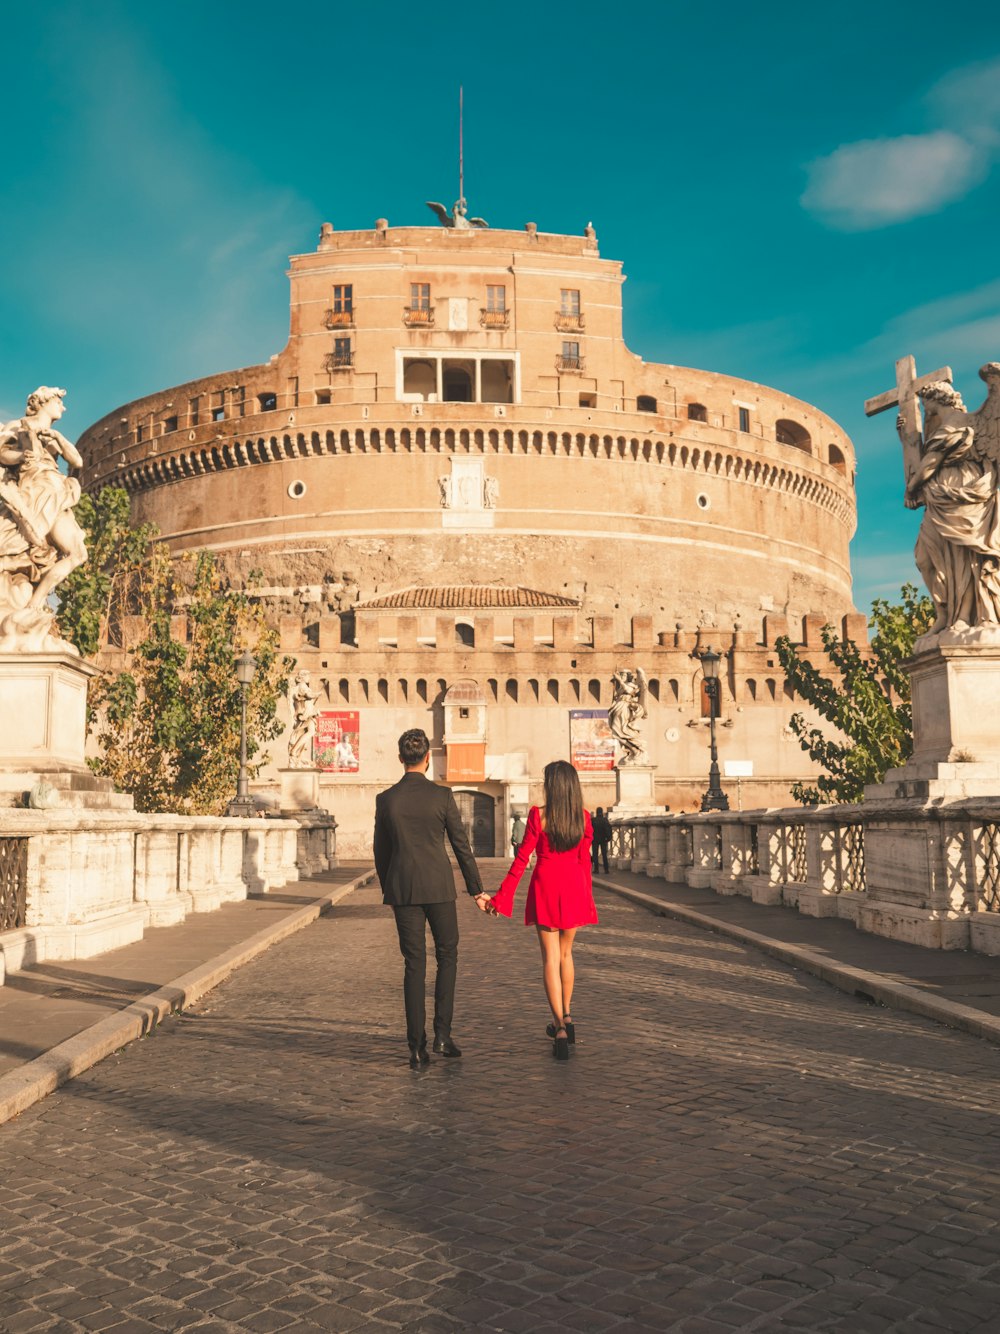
(800, 193)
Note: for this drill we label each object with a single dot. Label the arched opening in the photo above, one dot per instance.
(837, 459)
(420, 379)
(465, 634)
(791, 433)
(751, 688)
(422, 689)
(645, 403)
(697, 412)
(457, 384)
(594, 691)
(511, 690)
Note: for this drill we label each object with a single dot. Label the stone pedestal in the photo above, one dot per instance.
(913, 891)
(635, 790)
(299, 789)
(316, 847)
(955, 685)
(44, 733)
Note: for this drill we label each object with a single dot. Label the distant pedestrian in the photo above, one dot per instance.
(518, 832)
(412, 821)
(560, 897)
(602, 837)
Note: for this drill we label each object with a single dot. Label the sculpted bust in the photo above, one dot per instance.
(41, 542)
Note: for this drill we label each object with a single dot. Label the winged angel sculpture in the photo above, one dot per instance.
(955, 481)
(41, 542)
(628, 709)
(457, 217)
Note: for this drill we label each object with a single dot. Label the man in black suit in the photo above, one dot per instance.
(602, 838)
(412, 820)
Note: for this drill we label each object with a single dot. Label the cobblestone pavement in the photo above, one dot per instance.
(733, 1146)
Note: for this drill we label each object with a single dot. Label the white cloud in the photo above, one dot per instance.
(877, 182)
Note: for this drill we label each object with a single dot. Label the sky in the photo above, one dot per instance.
(800, 194)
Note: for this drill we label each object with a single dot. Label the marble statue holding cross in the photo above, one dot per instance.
(951, 463)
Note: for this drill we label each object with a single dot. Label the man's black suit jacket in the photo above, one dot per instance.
(412, 820)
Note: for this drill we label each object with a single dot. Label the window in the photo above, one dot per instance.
(644, 403)
(569, 301)
(465, 634)
(744, 419)
(268, 401)
(697, 412)
(322, 396)
(341, 351)
(218, 414)
(420, 296)
(570, 356)
(140, 431)
(194, 411)
(343, 299)
(169, 425)
(496, 299)
(588, 400)
(791, 433)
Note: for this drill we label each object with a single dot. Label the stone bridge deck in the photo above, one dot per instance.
(734, 1145)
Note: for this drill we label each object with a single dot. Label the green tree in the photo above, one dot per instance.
(168, 722)
(96, 595)
(869, 704)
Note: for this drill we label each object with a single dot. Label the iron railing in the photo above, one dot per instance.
(417, 316)
(13, 883)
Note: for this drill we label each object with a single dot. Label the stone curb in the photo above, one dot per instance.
(34, 1080)
(855, 981)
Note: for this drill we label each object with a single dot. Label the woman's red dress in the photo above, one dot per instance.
(560, 894)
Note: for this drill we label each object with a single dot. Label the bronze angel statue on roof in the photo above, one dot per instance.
(628, 708)
(457, 217)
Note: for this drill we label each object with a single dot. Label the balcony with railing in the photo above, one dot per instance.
(339, 361)
(571, 365)
(339, 319)
(567, 323)
(418, 317)
(494, 319)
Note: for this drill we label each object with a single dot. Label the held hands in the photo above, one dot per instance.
(485, 904)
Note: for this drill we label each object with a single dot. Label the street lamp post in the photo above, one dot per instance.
(242, 803)
(714, 799)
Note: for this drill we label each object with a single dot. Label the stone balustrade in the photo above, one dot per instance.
(928, 874)
(93, 881)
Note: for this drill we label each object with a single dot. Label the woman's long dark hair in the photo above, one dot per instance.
(563, 806)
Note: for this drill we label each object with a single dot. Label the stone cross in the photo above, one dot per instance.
(905, 397)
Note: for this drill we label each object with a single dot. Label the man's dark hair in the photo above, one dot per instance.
(600, 810)
(413, 746)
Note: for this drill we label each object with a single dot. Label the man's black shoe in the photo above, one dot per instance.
(419, 1060)
(445, 1047)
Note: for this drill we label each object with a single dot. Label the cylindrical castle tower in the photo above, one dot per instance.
(458, 407)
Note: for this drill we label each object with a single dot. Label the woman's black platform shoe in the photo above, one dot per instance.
(570, 1028)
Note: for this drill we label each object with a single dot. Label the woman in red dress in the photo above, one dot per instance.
(560, 897)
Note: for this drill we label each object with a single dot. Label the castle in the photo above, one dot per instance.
(471, 503)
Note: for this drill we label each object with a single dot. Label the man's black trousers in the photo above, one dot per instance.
(412, 921)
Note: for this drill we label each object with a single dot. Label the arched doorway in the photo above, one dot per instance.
(478, 812)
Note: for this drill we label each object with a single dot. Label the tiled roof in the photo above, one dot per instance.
(454, 597)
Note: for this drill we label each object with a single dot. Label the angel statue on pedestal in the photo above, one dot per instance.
(628, 709)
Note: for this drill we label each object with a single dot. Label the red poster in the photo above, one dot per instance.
(591, 745)
(337, 744)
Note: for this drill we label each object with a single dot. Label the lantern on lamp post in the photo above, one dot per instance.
(714, 799)
(242, 803)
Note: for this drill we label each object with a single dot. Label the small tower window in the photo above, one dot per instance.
(569, 301)
(343, 299)
(268, 401)
(744, 419)
(645, 403)
(697, 412)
